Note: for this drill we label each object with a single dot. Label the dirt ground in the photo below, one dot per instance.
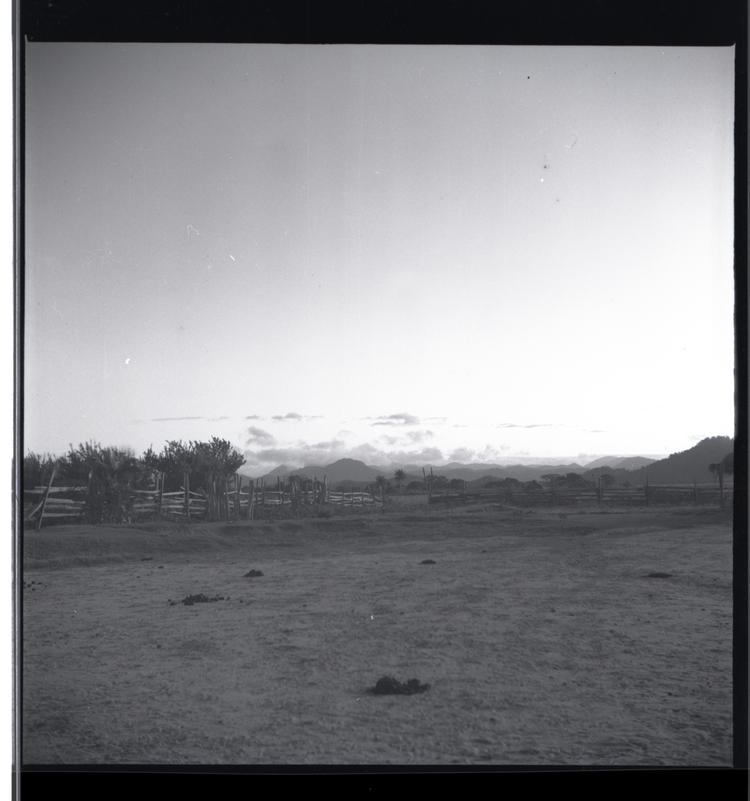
(544, 637)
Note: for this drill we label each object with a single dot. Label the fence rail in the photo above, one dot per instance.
(644, 495)
(235, 499)
(239, 497)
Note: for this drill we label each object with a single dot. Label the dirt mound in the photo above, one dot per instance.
(253, 573)
(189, 600)
(387, 685)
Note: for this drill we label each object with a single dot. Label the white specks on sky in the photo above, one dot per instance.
(380, 243)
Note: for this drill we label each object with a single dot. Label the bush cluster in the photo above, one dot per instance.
(110, 474)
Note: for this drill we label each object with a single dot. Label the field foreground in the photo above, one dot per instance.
(543, 636)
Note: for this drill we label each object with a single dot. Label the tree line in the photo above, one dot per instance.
(111, 474)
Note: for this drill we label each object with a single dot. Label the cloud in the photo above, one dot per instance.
(462, 455)
(257, 436)
(490, 452)
(435, 419)
(425, 456)
(302, 454)
(216, 419)
(294, 417)
(401, 419)
(407, 439)
(366, 453)
(253, 417)
(330, 445)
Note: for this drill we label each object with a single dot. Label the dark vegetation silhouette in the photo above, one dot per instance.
(110, 475)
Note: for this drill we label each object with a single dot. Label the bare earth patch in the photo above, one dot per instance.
(597, 638)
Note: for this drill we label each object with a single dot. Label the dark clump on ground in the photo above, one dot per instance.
(189, 600)
(253, 573)
(658, 575)
(387, 685)
(427, 562)
(147, 559)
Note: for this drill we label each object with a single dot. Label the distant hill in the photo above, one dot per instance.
(341, 470)
(621, 462)
(281, 471)
(684, 467)
(679, 468)
(524, 472)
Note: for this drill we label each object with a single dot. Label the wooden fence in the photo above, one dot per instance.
(647, 495)
(238, 498)
(241, 498)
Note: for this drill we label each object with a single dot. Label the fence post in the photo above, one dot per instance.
(46, 495)
(89, 509)
(186, 487)
(159, 492)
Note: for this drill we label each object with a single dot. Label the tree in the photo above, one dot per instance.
(381, 482)
(399, 475)
(720, 469)
(727, 464)
(109, 474)
(37, 469)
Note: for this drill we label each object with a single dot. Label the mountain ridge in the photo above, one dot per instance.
(686, 466)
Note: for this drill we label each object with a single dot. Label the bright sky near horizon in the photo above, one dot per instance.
(395, 253)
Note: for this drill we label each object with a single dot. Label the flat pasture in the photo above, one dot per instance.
(556, 637)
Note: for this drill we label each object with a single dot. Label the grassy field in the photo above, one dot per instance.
(544, 636)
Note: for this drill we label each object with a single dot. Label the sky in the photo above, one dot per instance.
(403, 254)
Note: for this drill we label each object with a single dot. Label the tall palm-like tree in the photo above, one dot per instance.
(399, 475)
(381, 482)
(720, 469)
